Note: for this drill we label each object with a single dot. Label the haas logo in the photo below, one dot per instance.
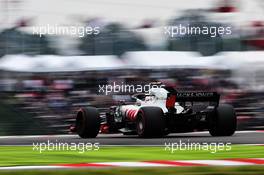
(131, 114)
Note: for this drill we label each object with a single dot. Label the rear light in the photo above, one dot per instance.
(170, 102)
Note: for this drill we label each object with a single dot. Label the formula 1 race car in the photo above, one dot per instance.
(161, 111)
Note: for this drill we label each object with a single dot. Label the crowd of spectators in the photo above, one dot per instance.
(54, 99)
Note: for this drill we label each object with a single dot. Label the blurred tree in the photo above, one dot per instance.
(13, 41)
(203, 43)
(112, 39)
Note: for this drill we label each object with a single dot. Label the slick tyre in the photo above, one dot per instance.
(223, 122)
(88, 122)
(150, 122)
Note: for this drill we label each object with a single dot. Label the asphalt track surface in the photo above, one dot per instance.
(240, 137)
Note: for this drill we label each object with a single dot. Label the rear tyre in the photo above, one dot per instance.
(150, 122)
(224, 122)
(88, 122)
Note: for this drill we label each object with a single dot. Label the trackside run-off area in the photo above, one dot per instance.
(139, 156)
(216, 170)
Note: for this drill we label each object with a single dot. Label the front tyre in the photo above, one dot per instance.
(88, 122)
(224, 122)
(150, 122)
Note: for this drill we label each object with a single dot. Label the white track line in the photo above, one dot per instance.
(30, 167)
(133, 164)
(233, 162)
(219, 162)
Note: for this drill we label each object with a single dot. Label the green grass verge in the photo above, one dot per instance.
(24, 155)
(240, 170)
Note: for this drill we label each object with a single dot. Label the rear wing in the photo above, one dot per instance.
(174, 96)
(197, 96)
